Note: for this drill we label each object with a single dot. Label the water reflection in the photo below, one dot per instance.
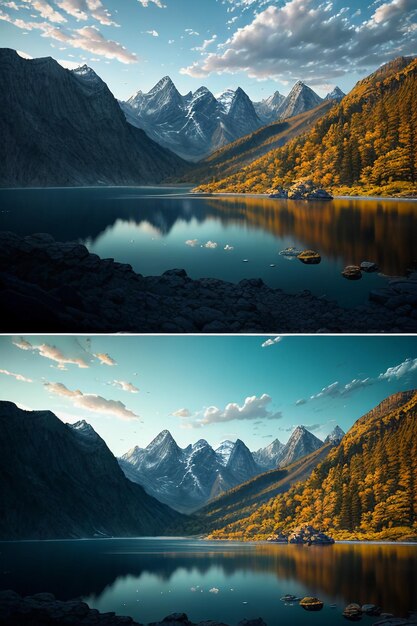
(352, 229)
(381, 574)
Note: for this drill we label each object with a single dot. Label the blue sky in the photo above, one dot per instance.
(261, 45)
(131, 388)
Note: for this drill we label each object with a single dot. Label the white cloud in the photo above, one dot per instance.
(88, 38)
(125, 386)
(192, 243)
(105, 359)
(191, 32)
(85, 9)
(312, 41)
(91, 402)
(206, 44)
(46, 11)
(19, 377)
(398, 371)
(52, 353)
(210, 244)
(146, 3)
(154, 33)
(24, 55)
(181, 413)
(271, 342)
(253, 408)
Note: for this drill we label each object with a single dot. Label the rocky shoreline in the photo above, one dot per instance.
(47, 286)
(42, 609)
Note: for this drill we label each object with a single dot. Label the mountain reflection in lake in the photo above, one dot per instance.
(150, 578)
(148, 228)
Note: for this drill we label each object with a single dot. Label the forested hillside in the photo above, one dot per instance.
(365, 145)
(365, 488)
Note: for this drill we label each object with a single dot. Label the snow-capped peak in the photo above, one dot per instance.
(224, 450)
(335, 436)
(225, 99)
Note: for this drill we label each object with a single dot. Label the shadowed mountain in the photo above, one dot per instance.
(61, 481)
(62, 127)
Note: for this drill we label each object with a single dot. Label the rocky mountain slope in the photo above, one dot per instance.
(300, 99)
(61, 481)
(363, 145)
(195, 124)
(186, 478)
(62, 127)
(300, 443)
(232, 157)
(364, 488)
(268, 108)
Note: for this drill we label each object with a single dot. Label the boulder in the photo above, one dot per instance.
(369, 266)
(309, 257)
(353, 612)
(309, 603)
(352, 272)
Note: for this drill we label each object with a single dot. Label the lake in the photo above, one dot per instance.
(149, 227)
(150, 578)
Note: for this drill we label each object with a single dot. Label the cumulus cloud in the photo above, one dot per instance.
(46, 11)
(182, 413)
(154, 33)
(337, 389)
(192, 243)
(125, 386)
(105, 359)
(210, 244)
(88, 38)
(271, 342)
(91, 402)
(313, 41)
(254, 407)
(52, 353)
(398, 371)
(19, 377)
(84, 9)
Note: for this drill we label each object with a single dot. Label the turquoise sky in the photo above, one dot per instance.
(317, 381)
(261, 45)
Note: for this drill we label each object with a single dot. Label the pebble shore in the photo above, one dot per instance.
(47, 286)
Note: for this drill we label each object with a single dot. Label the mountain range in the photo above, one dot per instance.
(63, 127)
(198, 123)
(61, 481)
(187, 478)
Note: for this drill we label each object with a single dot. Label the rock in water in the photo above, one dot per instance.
(352, 272)
(309, 257)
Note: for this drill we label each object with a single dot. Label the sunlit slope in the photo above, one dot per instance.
(247, 497)
(366, 144)
(232, 157)
(365, 488)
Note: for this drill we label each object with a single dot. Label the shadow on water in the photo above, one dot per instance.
(385, 575)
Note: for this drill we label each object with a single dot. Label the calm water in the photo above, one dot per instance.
(148, 228)
(150, 578)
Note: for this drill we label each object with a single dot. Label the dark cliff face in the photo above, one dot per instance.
(62, 481)
(62, 127)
